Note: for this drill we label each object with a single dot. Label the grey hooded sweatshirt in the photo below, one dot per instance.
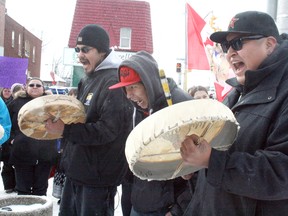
(151, 196)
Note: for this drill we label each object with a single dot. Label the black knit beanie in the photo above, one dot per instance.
(95, 36)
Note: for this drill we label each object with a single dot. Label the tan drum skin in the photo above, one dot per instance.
(153, 146)
(34, 114)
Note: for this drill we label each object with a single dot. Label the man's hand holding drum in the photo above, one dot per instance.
(195, 151)
(56, 127)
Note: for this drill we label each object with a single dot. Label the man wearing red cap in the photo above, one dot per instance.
(140, 79)
(128, 77)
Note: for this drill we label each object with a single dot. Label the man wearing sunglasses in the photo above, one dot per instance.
(251, 177)
(94, 158)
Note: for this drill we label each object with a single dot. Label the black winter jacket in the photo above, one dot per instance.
(26, 150)
(251, 178)
(148, 196)
(94, 152)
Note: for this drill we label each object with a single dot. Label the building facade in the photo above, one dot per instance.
(20, 43)
(127, 22)
(2, 26)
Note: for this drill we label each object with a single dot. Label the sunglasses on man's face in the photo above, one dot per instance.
(84, 49)
(32, 85)
(237, 43)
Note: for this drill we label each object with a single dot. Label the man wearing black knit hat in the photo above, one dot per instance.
(94, 159)
(251, 177)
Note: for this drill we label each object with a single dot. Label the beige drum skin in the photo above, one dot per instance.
(34, 114)
(153, 146)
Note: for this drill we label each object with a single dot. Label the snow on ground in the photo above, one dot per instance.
(118, 211)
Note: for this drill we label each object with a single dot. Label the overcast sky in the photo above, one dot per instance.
(51, 21)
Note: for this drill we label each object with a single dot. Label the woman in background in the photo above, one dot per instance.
(198, 92)
(6, 95)
(8, 174)
(32, 159)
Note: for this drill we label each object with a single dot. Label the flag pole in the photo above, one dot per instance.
(186, 53)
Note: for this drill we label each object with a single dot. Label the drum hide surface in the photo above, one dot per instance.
(34, 114)
(153, 146)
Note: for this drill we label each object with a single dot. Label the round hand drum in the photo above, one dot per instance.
(34, 114)
(153, 146)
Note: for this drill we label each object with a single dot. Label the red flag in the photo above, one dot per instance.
(196, 55)
(219, 88)
(221, 91)
(208, 42)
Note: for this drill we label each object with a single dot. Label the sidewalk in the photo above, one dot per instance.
(118, 211)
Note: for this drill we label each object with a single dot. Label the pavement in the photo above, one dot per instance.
(118, 211)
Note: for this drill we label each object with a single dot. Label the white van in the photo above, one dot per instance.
(58, 90)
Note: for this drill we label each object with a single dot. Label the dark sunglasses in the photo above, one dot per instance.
(237, 43)
(34, 85)
(84, 49)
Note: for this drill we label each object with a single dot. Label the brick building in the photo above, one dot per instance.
(2, 25)
(18, 42)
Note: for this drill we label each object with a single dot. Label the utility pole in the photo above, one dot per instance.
(282, 16)
(271, 8)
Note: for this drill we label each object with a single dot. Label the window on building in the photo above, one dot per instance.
(33, 54)
(13, 39)
(20, 45)
(125, 38)
(27, 48)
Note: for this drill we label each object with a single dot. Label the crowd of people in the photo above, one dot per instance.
(250, 178)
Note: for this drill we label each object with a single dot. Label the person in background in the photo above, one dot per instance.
(139, 78)
(31, 158)
(6, 95)
(93, 157)
(16, 87)
(73, 92)
(250, 178)
(198, 92)
(5, 123)
(8, 173)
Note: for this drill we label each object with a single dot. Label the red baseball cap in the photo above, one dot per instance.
(127, 77)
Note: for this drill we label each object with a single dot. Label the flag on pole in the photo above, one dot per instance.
(196, 56)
